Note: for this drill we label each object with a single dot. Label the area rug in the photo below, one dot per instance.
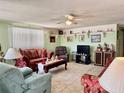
(68, 81)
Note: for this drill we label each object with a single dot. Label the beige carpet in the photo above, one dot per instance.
(68, 81)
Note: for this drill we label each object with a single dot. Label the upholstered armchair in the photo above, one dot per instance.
(91, 83)
(13, 81)
(61, 52)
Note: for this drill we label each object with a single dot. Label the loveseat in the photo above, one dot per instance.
(91, 83)
(13, 81)
(34, 56)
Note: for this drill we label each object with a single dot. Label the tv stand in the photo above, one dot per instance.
(80, 58)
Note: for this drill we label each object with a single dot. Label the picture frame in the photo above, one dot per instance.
(60, 32)
(52, 39)
(70, 38)
(96, 38)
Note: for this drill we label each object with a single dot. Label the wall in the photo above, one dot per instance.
(48, 33)
(120, 40)
(109, 37)
(4, 40)
(4, 37)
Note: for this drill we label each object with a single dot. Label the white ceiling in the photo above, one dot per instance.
(48, 13)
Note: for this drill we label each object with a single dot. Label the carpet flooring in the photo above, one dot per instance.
(68, 81)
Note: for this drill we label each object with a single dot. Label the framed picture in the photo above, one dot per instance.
(52, 39)
(96, 38)
(69, 38)
(60, 32)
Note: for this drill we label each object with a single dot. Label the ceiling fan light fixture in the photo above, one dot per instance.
(70, 17)
(68, 22)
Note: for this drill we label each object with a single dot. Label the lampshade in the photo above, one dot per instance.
(113, 78)
(12, 53)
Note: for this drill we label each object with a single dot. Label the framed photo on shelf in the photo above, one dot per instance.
(52, 39)
(96, 38)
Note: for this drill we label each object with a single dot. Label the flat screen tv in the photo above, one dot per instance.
(83, 49)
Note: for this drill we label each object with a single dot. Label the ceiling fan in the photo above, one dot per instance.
(71, 18)
(68, 19)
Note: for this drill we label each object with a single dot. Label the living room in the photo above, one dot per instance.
(53, 31)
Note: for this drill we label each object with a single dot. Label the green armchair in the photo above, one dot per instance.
(13, 81)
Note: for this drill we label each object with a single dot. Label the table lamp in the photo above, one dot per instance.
(113, 78)
(12, 53)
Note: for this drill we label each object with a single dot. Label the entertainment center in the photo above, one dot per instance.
(83, 54)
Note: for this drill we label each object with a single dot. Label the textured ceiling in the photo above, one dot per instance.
(48, 13)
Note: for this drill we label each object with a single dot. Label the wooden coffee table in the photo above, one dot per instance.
(54, 63)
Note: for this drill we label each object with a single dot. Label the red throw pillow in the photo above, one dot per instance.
(20, 63)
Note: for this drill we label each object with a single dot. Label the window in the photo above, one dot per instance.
(26, 38)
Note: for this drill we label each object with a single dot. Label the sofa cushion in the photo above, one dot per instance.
(26, 71)
(44, 53)
(34, 53)
(39, 51)
(27, 53)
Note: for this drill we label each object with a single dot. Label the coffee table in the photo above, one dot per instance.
(54, 63)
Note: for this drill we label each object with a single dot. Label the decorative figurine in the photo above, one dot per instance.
(99, 47)
(106, 47)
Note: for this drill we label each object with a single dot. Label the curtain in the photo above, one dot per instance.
(26, 38)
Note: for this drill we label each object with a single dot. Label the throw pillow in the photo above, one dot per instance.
(20, 63)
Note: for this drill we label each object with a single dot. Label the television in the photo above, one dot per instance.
(83, 49)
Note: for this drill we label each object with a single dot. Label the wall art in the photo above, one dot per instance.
(52, 39)
(69, 38)
(96, 38)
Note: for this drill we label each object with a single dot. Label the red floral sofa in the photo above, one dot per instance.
(34, 56)
(91, 84)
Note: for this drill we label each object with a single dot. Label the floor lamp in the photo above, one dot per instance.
(113, 78)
